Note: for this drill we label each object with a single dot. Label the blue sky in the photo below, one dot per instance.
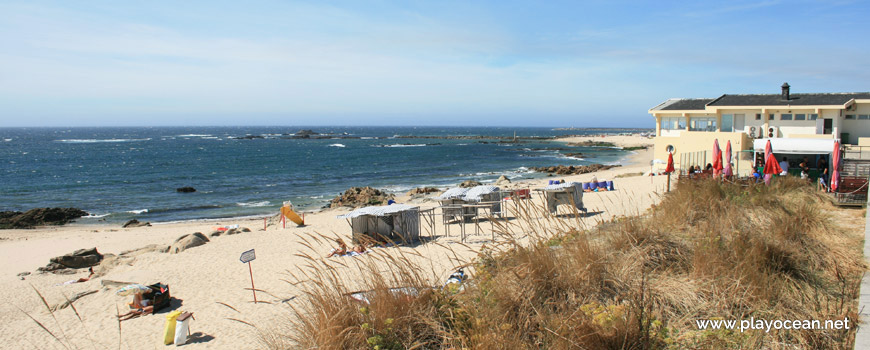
(499, 63)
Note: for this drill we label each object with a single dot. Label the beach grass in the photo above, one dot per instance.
(708, 250)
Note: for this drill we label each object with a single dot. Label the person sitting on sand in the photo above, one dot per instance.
(341, 250)
(691, 170)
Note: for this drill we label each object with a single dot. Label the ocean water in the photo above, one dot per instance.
(117, 174)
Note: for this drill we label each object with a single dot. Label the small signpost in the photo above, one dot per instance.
(247, 257)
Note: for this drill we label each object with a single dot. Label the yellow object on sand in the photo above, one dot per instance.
(290, 214)
(169, 328)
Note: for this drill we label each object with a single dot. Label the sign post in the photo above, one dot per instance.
(247, 257)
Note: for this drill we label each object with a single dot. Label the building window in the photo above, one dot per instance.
(800, 117)
(785, 116)
(758, 117)
(814, 116)
(673, 123)
(771, 116)
(702, 124)
(850, 116)
(864, 116)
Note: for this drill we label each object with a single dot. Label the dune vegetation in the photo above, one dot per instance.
(708, 250)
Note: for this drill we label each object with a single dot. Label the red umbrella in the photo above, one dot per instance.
(767, 151)
(670, 167)
(771, 166)
(728, 171)
(717, 158)
(835, 165)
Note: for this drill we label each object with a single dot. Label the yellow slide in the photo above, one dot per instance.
(290, 214)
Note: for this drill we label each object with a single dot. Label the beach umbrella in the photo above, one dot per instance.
(768, 150)
(728, 170)
(133, 289)
(717, 158)
(835, 165)
(669, 169)
(771, 167)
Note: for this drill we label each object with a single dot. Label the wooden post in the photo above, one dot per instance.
(283, 221)
(669, 182)
(264, 224)
(253, 289)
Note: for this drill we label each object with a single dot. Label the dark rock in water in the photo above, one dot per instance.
(469, 183)
(306, 132)
(78, 259)
(572, 170)
(186, 189)
(188, 241)
(135, 223)
(39, 217)
(361, 197)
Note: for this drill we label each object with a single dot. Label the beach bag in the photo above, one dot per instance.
(182, 328)
(159, 296)
(169, 327)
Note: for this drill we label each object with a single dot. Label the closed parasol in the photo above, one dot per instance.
(133, 289)
(835, 167)
(728, 171)
(717, 158)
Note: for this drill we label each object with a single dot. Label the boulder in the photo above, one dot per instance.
(188, 241)
(186, 189)
(78, 259)
(469, 183)
(159, 248)
(245, 229)
(361, 197)
(135, 223)
(423, 190)
(216, 233)
(573, 170)
(39, 217)
(502, 180)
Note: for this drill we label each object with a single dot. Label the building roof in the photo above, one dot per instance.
(683, 104)
(827, 99)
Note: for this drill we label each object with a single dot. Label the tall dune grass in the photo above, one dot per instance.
(708, 250)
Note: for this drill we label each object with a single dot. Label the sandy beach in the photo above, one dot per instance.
(203, 279)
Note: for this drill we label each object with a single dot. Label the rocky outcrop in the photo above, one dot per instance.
(39, 217)
(361, 197)
(469, 184)
(186, 189)
(135, 223)
(78, 259)
(186, 242)
(573, 170)
(502, 180)
(159, 248)
(423, 191)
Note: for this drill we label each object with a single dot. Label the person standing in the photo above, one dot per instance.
(823, 173)
(784, 165)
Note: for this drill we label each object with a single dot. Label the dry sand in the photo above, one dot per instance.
(203, 277)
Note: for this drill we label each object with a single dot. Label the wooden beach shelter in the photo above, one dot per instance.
(569, 193)
(398, 223)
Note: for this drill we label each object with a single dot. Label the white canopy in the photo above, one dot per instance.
(796, 145)
(476, 192)
(456, 192)
(563, 185)
(378, 211)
